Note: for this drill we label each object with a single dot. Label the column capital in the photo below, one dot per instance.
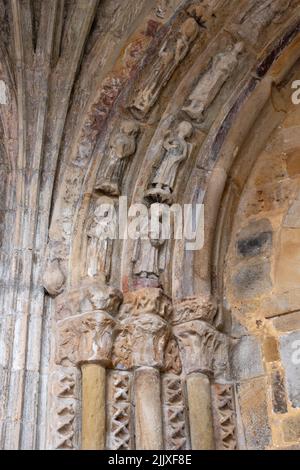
(85, 323)
(195, 308)
(143, 331)
(148, 300)
(92, 294)
(202, 347)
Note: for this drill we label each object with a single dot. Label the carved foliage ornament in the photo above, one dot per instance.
(195, 308)
(87, 332)
(202, 347)
(143, 331)
(85, 338)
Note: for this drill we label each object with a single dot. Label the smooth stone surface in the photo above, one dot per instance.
(290, 355)
(246, 359)
(200, 413)
(93, 407)
(253, 403)
(148, 412)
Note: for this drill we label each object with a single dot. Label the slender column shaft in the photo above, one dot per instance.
(93, 406)
(200, 413)
(148, 413)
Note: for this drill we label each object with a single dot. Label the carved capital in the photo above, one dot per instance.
(85, 338)
(202, 347)
(93, 294)
(147, 301)
(143, 332)
(85, 325)
(194, 308)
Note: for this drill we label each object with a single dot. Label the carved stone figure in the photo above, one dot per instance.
(169, 57)
(101, 230)
(211, 82)
(54, 278)
(149, 256)
(260, 15)
(175, 149)
(121, 146)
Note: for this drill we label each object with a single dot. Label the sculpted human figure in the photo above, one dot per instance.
(261, 15)
(149, 255)
(100, 234)
(121, 147)
(211, 82)
(175, 149)
(169, 56)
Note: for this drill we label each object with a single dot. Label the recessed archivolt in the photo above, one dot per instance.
(221, 113)
(197, 79)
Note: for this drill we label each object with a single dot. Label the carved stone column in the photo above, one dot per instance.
(85, 332)
(203, 351)
(141, 343)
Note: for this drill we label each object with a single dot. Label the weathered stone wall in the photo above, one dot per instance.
(262, 289)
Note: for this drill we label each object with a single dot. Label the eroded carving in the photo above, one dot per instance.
(194, 308)
(221, 68)
(87, 333)
(202, 348)
(54, 278)
(172, 357)
(143, 331)
(172, 52)
(101, 231)
(149, 254)
(121, 146)
(174, 150)
(259, 16)
(85, 338)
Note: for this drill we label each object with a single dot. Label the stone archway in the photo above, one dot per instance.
(141, 334)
